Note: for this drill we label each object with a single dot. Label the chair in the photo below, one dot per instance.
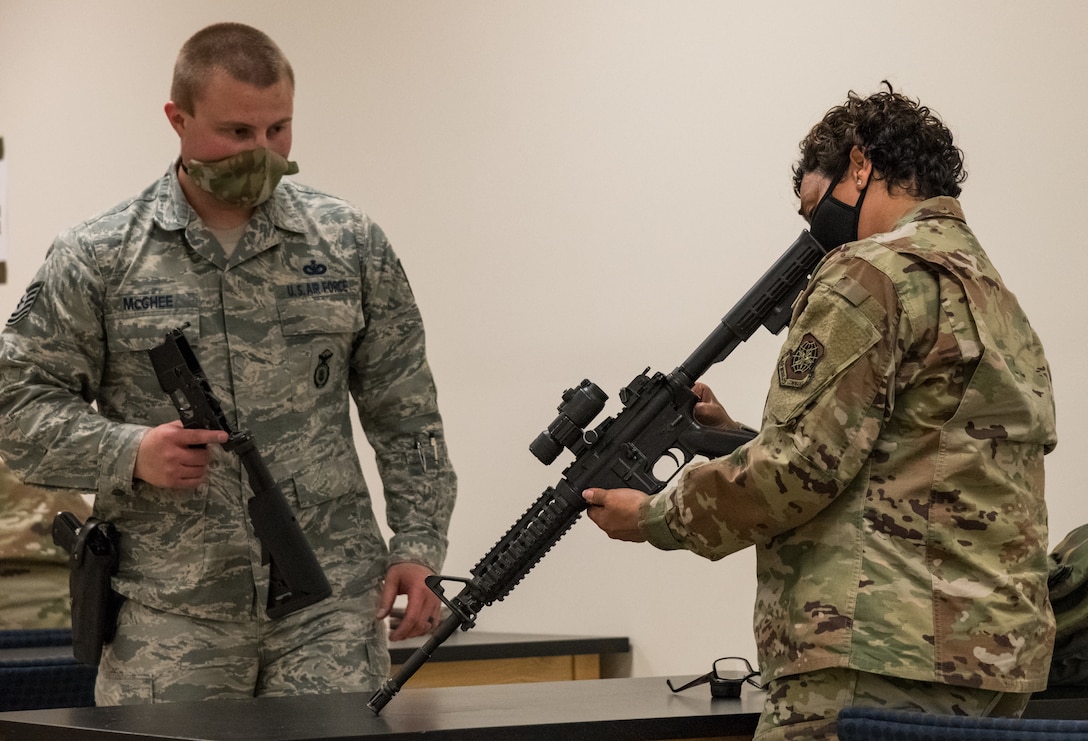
(872, 724)
(37, 670)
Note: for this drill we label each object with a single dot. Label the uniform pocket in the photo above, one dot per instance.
(827, 380)
(834, 335)
(319, 332)
(139, 323)
(336, 477)
(130, 378)
(336, 516)
(330, 312)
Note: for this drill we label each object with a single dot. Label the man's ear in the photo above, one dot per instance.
(175, 116)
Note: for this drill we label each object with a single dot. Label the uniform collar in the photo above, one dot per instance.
(941, 207)
(174, 212)
(281, 212)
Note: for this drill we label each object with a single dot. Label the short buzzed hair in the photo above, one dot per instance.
(243, 52)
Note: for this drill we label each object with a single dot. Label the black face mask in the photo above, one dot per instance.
(833, 223)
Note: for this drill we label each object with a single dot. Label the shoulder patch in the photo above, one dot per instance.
(26, 303)
(796, 367)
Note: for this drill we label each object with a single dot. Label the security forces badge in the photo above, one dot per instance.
(321, 372)
(797, 366)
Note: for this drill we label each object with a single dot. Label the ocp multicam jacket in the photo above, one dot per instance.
(894, 493)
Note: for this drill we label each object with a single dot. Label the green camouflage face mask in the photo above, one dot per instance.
(246, 179)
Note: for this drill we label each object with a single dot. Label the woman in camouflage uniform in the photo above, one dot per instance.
(894, 493)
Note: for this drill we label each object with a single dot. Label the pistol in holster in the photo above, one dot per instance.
(93, 555)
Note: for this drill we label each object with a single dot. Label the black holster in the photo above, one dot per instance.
(93, 554)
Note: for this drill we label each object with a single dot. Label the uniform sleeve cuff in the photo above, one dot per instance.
(118, 459)
(653, 523)
(429, 553)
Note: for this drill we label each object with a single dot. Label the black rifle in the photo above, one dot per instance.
(657, 424)
(295, 578)
(92, 547)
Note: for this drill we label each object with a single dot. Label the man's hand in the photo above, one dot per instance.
(616, 511)
(423, 609)
(708, 410)
(169, 457)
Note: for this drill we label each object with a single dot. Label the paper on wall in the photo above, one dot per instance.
(3, 215)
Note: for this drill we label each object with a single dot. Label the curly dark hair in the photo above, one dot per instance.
(907, 143)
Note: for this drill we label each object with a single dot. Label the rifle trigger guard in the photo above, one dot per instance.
(434, 583)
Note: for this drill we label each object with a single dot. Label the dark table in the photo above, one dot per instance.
(590, 709)
(617, 709)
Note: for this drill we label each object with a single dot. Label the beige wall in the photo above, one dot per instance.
(581, 188)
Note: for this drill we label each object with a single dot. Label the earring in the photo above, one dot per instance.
(859, 182)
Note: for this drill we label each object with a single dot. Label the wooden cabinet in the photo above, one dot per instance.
(475, 658)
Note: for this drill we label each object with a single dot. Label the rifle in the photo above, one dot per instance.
(657, 424)
(295, 578)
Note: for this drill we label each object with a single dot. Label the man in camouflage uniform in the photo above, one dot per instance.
(894, 492)
(294, 301)
(33, 571)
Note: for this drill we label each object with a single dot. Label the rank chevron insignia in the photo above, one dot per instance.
(26, 303)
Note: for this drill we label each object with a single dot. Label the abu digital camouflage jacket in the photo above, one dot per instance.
(310, 310)
(894, 493)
